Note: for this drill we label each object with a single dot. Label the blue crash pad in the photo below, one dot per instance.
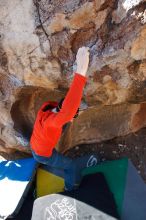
(15, 179)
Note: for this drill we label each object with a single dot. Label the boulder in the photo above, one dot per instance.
(38, 45)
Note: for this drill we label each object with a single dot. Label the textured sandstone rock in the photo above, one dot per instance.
(38, 45)
(123, 7)
(138, 50)
(103, 123)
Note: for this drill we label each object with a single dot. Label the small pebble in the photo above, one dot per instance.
(103, 159)
(101, 152)
(114, 152)
(120, 145)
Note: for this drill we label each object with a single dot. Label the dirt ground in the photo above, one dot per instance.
(132, 146)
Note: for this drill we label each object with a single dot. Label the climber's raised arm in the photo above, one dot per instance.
(74, 95)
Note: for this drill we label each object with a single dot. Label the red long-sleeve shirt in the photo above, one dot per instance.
(48, 125)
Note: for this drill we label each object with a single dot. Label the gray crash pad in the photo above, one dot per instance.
(60, 207)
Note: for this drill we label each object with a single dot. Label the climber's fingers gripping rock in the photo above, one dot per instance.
(82, 59)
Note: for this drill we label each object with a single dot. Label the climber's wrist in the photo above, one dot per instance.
(81, 72)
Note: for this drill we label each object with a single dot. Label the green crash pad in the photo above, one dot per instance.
(115, 173)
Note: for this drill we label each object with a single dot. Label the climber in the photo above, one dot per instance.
(53, 117)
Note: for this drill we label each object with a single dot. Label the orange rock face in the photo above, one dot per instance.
(38, 45)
